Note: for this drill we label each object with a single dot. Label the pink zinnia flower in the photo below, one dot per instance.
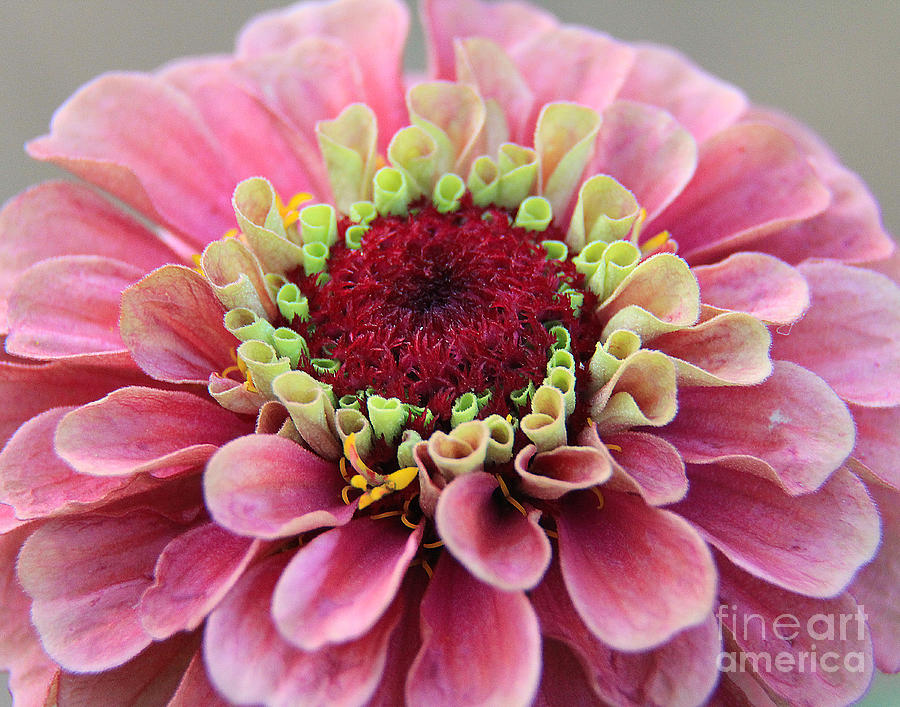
(566, 375)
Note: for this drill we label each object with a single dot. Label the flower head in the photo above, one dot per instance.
(535, 378)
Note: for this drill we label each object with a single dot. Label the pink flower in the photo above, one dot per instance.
(567, 375)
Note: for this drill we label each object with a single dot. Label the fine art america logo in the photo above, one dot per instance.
(817, 643)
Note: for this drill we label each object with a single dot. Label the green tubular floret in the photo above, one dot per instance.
(315, 257)
(263, 363)
(483, 181)
(590, 258)
(353, 236)
(408, 441)
(323, 366)
(387, 415)
(350, 401)
(349, 421)
(563, 339)
(363, 212)
(318, 224)
(447, 192)
(292, 303)
(518, 174)
(534, 214)
(391, 192)
(521, 396)
(502, 437)
(561, 358)
(247, 326)
(289, 343)
(556, 250)
(576, 301)
(484, 398)
(563, 379)
(464, 409)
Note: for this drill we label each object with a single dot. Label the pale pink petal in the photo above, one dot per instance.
(8, 520)
(172, 324)
(647, 151)
(490, 537)
(878, 442)
(877, 586)
(64, 218)
(850, 335)
(750, 180)
(32, 672)
(137, 429)
(762, 619)
(68, 306)
(680, 673)
(811, 544)
(36, 482)
(374, 31)
(249, 662)
(702, 103)
(551, 474)
(195, 689)
(339, 585)
(506, 23)
(755, 283)
(143, 142)
(86, 576)
(459, 662)
(192, 575)
(792, 428)
(267, 486)
(150, 678)
(636, 574)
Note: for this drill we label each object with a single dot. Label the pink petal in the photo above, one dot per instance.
(563, 679)
(36, 482)
(636, 574)
(195, 689)
(702, 103)
(86, 576)
(811, 544)
(759, 617)
(267, 486)
(339, 585)
(32, 672)
(8, 520)
(151, 678)
(791, 429)
(549, 475)
(646, 150)
(680, 673)
(194, 572)
(490, 537)
(755, 283)
(469, 632)
(250, 663)
(64, 218)
(374, 31)
(877, 586)
(506, 23)
(143, 142)
(172, 323)
(851, 334)
(878, 442)
(68, 306)
(136, 430)
(750, 180)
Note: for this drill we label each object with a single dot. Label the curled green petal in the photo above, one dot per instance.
(363, 212)
(464, 409)
(447, 192)
(309, 404)
(521, 396)
(563, 379)
(387, 415)
(605, 211)
(534, 214)
(315, 257)
(256, 210)
(556, 250)
(619, 259)
(408, 441)
(236, 277)
(348, 421)
(453, 114)
(463, 451)
(546, 424)
(292, 303)
(323, 366)
(318, 224)
(590, 258)
(561, 358)
(247, 326)
(415, 153)
(289, 343)
(484, 398)
(576, 301)
(392, 195)
(563, 338)
(500, 442)
(348, 145)
(263, 363)
(350, 401)
(483, 181)
(608, 356)
(518, 174)
(353, 236)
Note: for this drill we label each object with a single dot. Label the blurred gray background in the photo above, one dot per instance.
(832, 64)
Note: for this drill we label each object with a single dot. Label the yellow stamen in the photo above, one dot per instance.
(655, 243)
(230, 233)
(613, 447)
(504, 489)
(427, 568)
(355, 460)
(291, 218)
(551, 534)
(231, 369)
(401, 478)
(358, 482)
(197, 266)
(407, 522)
(344, 496)
(432, 546)
(342, 465)
(296, 200)
(387, 514)
(596, 490)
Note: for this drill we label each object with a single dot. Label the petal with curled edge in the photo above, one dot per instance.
(256, 211)
(550, 475)
(878, 442)
(348, 145)
(636, 574)
(266, 486)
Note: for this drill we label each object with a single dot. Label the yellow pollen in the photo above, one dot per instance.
(358, 482)
(230, 233)
(401, 478)
(291, 218)
(197, 266)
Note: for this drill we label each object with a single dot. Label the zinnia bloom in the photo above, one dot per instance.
(557, 375)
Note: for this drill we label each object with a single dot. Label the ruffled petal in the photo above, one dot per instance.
(249, 662)
(549, 475)
(267, 486)
(811, 544)
(791, 429)
(136, 430)
(86, 576)
(459, 663)
(850, 335)
(171, 323)
(68, 306)
(636, 574)
(339, 585)
(491, 538)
